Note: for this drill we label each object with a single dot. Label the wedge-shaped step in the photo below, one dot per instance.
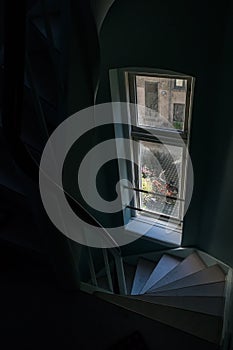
(129, 276)
(207, 305)
(204, 326)
(210, 290)
(143, 272)
(166, 264)
(210, 274)
(193, 263)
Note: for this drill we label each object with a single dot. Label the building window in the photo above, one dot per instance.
(178, 115)
(160, 126)
(179, 83)
(151, 96)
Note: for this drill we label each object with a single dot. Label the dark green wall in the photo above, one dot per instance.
(187, 37)
(216, 234)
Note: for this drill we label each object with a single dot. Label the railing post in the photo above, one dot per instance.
(120, 274)
(107, 268)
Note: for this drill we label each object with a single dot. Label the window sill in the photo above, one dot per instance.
(155, 231)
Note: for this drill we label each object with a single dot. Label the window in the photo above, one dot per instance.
(178, 115)
(179, 83)
(151, 95)
(160, 126)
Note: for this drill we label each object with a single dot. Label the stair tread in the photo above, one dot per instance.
(143, 272)
(204, 304)
(210, 289)
(208, 275)
(204, 326)
(193, 263)
(166, 264)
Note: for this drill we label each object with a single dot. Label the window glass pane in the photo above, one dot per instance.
(161, 101)
(160, 172)
(178, 115)
(179, 83)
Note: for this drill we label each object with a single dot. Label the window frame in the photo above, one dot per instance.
(126, 80)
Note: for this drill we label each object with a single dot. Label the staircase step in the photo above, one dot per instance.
(129, 276)
(204, 326)
(166, 264)
(211, 290)
(210, 274)
(143, 272)
(193, 263)
(207, 305)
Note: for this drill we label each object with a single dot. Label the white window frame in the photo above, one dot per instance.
(120, 80)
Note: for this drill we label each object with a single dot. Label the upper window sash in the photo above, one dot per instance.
(130, 81)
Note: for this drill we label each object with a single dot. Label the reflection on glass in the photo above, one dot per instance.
(161, 102)
(160, 175)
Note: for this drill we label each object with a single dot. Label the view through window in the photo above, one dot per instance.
(161, 99)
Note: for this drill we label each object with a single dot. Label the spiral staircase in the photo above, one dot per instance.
(183, 288)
